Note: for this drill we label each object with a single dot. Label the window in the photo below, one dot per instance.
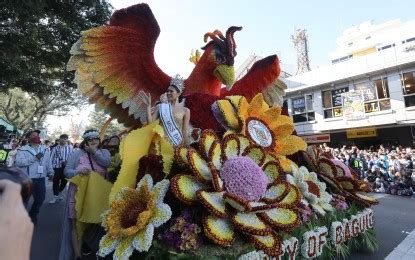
(302, 109)
(332, 102)
(386, 47)
(376, 95)
(409, 40)
(408, 88)
(345, 58)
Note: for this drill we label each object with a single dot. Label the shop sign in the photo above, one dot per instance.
(322, 138)
(360, 133)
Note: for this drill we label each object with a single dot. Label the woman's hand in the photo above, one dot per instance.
(145, 98)
(92, 149)
(84, 172)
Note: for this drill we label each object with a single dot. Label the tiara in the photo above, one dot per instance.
(178, 82)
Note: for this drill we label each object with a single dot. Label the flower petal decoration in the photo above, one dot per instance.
(218, 230)
(230, 147)
(276, 192)
(125, 249)
(107, 244)
(214, 202)
(143, 240)
(270, 244)
(263, 125)
(274, 171)
(292, 198)
(199, 166)
(312, 189)
(250, 223)
(132, 216)
(236, 181)
(286, 219)
(180, 154)
(208, 138)
(185, 187)
(256, 153)
(215, 155)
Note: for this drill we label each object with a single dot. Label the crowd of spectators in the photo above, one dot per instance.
(11, 143)
(389, 169)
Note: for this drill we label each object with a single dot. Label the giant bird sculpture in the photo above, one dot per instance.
(114, 62)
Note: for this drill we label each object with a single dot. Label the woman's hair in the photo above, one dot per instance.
(83, 143)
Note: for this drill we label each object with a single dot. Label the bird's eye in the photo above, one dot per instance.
(220, 59)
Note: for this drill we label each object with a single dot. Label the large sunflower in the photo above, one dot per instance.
(312, 189)
(132, 217)
(263, 125)
(242, 188)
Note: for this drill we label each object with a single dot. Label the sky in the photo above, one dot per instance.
(267, 28)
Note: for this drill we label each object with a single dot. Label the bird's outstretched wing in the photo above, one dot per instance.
(114, 62)
(262, 77)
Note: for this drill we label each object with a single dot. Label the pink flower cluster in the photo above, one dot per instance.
(343, 166)
(244, 178)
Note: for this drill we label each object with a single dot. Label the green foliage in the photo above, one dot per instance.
(97, 120)
(27, 111)
(36, 37)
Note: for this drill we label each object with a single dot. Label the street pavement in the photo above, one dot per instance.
(394, 220)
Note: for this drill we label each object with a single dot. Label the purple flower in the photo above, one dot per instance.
(244, 178)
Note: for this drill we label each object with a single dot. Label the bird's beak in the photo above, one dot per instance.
(226, 74)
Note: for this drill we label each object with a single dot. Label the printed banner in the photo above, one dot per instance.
(353, 104)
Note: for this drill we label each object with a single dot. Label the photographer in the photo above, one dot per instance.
(59, 156)
(34, 160)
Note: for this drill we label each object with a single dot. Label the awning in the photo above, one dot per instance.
(7, 125)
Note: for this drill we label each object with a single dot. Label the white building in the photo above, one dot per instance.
(376, 60)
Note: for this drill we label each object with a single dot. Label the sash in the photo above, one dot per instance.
(170, 126)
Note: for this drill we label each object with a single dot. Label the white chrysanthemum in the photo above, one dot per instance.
(313, 190)
(132, 217)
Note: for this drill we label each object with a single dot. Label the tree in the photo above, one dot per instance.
(27, 111)
(97, 120)
(36, 37)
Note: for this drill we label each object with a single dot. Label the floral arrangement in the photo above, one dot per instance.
(238, 194)
(248, 187)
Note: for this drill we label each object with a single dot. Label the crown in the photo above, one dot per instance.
(178, 82)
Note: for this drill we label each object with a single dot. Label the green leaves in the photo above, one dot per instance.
(36, 37)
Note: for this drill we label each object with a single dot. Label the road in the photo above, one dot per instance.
(394, 219)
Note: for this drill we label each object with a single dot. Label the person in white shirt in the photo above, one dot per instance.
(59, 156)
(34, 160)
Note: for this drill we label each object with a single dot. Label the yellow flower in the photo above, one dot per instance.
(264, 125)
(132, 217)
(242, 189)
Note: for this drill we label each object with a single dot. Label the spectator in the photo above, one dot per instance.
(90, 157)
(59, 157)
(34, 159)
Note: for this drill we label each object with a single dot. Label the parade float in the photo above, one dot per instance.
(243, 185)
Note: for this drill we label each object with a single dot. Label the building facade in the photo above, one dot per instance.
(376, 61)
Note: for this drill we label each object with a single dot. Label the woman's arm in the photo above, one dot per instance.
(146, 99)
(185, 129)
(71, 164)
(103, 157)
